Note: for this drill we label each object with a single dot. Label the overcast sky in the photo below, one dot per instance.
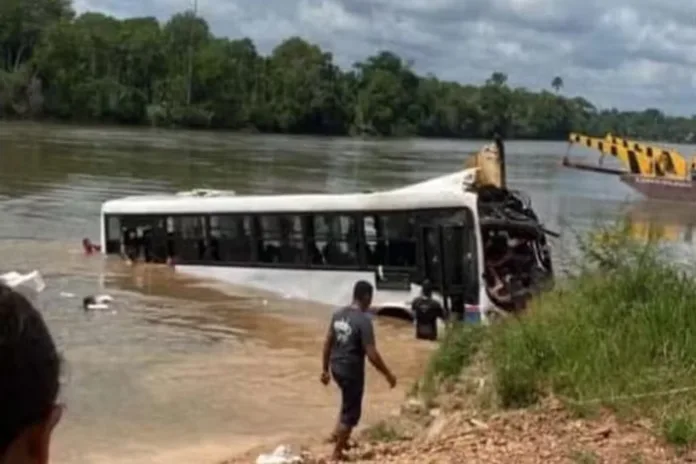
(631, 54)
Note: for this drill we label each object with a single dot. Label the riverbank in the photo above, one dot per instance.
(600, 370)
(530, 437)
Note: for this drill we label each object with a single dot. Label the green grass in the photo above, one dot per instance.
(383, 432)
(456, 351)
(679, 429)
(620, 332)
(584, 457)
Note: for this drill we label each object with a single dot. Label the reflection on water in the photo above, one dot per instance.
(181, 371)
(668, 221)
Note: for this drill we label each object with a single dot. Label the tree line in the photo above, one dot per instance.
(92, 67)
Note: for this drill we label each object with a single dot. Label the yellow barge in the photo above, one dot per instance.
(656, 172)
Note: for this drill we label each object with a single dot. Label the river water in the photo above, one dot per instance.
(177, 371)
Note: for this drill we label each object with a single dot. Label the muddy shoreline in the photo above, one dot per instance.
(202, 371)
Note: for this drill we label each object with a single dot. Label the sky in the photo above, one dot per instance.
(629, 54)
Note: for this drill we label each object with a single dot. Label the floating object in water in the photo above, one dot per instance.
(67, 295)
(281, 455)
(32, 280)
(98, 302)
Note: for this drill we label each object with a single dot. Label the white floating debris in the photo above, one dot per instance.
(103, 299)
(67, 295)
(96, 306)
(98, 302)
(281, 455)
(31, 280)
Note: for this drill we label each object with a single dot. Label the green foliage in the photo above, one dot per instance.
(680, 429)
(383, 432)
(584, 457)
(456, 351)
(136, 71)
(619, 333)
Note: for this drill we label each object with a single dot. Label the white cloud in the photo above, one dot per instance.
(626, 53)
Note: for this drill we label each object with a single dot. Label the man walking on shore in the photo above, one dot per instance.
(349, 339)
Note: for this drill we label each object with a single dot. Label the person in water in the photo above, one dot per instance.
(29, 373)
(89, 247)
(349, 339)
(426, 311)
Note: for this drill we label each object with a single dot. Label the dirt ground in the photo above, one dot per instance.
(549, 435)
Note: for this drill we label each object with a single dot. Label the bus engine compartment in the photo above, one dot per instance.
(517, 257)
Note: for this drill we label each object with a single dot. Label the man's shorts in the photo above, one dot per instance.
(352, 389)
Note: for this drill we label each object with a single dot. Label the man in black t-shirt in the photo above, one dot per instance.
(426, 311)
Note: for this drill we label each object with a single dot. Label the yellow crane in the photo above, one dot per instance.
(642, 159)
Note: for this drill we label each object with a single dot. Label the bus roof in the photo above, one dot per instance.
(442, 192)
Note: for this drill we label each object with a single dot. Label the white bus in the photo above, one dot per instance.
(316, 246)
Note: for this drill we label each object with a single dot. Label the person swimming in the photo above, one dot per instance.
(89, 247)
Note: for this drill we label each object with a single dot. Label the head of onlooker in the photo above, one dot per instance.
(29, 381)
(362, 294)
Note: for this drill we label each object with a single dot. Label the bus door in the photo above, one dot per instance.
(442, 251)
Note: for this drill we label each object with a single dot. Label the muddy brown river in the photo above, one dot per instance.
(184, 371)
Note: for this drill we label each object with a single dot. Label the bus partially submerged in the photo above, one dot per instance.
(315, 246)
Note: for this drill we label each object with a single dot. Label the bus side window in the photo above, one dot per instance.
(214, 237)
(398, 236)
(336, 237)
(234, 237)
(314, 255)
(374, 248)
(171, 237)
(282, 239)
(194, 240)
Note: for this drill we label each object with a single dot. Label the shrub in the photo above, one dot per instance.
(455, 352)
(621, 329)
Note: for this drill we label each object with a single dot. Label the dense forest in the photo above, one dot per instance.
(92, 67)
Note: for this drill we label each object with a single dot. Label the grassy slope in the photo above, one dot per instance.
(619, 333)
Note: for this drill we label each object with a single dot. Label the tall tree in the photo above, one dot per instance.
(497, 78)
(557, 83)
